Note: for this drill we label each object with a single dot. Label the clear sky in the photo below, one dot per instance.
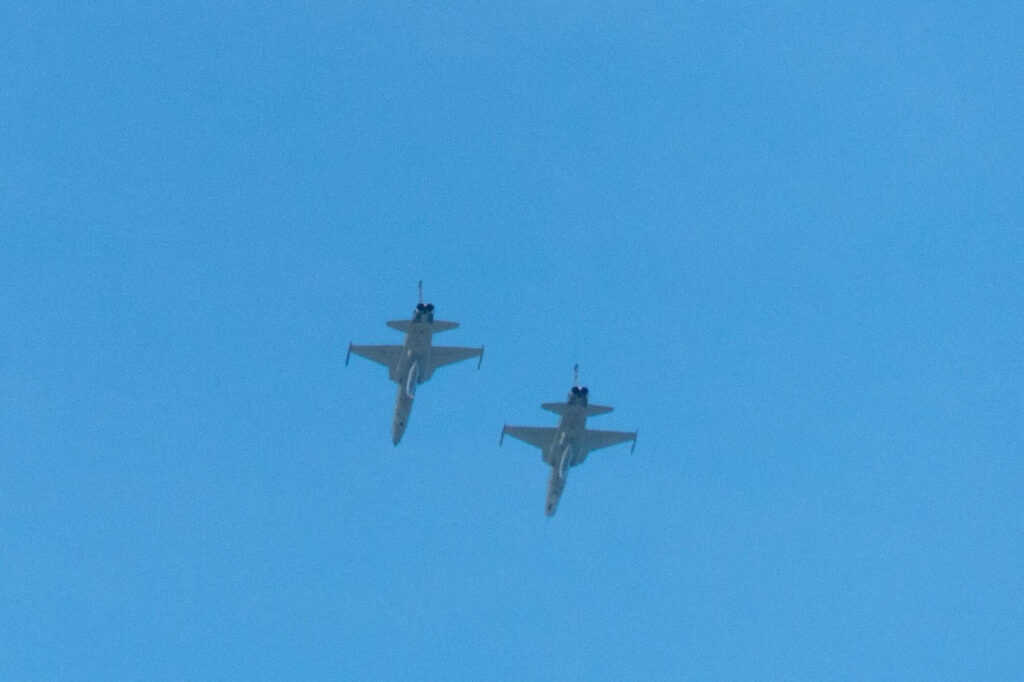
(783, 240)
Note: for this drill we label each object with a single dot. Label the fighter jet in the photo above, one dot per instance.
(414, 362)
(568, 445)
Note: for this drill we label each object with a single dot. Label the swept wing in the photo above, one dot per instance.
(595, 440)
(384, 355)
(537, 436)
(447, 355)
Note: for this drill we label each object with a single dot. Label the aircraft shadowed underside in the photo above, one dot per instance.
(415, 361)
(568, 444)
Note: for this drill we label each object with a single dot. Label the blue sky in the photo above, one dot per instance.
(783, 240)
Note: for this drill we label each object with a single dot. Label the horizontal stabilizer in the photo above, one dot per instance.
(438, 326)
(405, 326)
(557, 408)
(592, 410)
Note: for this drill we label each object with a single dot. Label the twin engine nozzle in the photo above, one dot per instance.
(576, 390)
(429, 307)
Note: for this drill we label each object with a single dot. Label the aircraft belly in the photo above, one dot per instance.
(403, 409)
(420, 340)
(412, 356)
(556, 484)
(401, 369)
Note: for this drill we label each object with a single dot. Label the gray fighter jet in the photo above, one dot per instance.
(568, 445)
(414, 362)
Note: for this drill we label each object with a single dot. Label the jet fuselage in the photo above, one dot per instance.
(568, 444)
(415, 361)
(415, 356)
(565, 450)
